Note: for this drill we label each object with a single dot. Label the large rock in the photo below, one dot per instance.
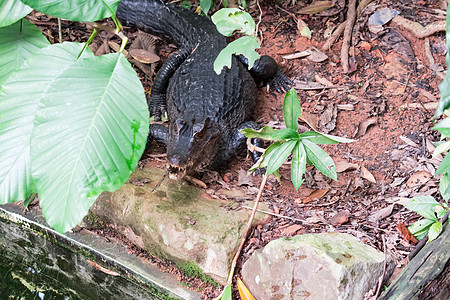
(313, 266)
(178, 222)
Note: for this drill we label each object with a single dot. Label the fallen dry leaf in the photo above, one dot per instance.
(340, 218)
(316, 7)
(364, 125)
(244, 178)
(381, 214)
(143, 56)
(418, 178)
(316, 195)
(404, 232)
(303, 29)
(291, 230)
(342, 166)
(103, 269)
(310, 119)
(427, 106)
(327, 120)
(367, 175)
(317, 56)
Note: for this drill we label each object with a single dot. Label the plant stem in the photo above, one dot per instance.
(247, 230)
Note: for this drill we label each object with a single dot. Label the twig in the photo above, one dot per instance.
(59, 30)
(351, 17)
(247, 230)
(337, 33)
(259, 22)
(278, 215)
(160, 181)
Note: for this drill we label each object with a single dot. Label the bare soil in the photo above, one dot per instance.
(386, 102)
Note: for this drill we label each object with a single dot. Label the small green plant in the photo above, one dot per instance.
(427, 206)
(302, 146)
(287, 141)
(190, 269)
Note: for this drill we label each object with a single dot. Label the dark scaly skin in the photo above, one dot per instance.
(205, 110)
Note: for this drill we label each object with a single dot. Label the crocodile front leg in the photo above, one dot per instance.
(266, 68)
(158, 133)
(157, 100)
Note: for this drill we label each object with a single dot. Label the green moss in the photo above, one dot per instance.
(190, 269)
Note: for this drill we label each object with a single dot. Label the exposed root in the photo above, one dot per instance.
(351, 17)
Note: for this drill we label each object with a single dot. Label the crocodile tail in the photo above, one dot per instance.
(159, 19)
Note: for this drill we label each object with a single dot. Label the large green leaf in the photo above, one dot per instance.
(298, 165)
(279, 156)
(420, 228)
(75, 10)
(12, 11)
(291, 109)
(443, 126)
(17, 42)
(19, 97)
(264, 159)
(245, 45)
(264, 133)
(444, 166)
(90, 131)
(285, 133)
(229, 20)
(424, 206)
(320, 159)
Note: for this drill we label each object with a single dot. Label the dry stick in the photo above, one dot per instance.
(337, 33)
(247, 230)
(59, 30)
(351, 17)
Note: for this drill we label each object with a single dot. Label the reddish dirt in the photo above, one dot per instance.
(384, 81)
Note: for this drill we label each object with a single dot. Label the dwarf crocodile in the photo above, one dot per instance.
(205, 110)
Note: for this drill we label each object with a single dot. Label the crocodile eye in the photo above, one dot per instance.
(175, 128)
(199, 131)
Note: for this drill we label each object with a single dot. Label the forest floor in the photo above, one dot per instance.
(386, 101)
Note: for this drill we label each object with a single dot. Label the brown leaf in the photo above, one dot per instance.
(316, 195)
(342, 166)
(364, 125)
(404, 232)
(340, 218)
(381, 214)
(316, 7)
(367, 175)
(327, 120)
(143, 56)
(310, 119)
(317, 56)
(244, 178)
(291, 230)
(103, 269)
(418, 178)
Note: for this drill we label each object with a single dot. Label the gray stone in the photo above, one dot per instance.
(313, 266)
(178, 222)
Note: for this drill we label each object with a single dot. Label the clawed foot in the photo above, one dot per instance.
(280, 82)
(157, 106)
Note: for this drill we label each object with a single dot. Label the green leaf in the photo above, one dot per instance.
(285, 133)
(279, 156)
(420, 228)
(90, 131)
(264, 133)
(443, 147)
(298, 166)
(205, 5)
(264, 159)
(229, 20)
(226, 294)
(291, 109)
(245, 45)
(441, 213)
(444, 187)
(17, 42)
(75, 10)
(444, 166)
(424, 206)
(443, 127)
(322, 138)
(320, 159)
(12, 11)
(19, 98)
(434, 231)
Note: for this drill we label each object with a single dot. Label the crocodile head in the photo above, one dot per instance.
(192, 146)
